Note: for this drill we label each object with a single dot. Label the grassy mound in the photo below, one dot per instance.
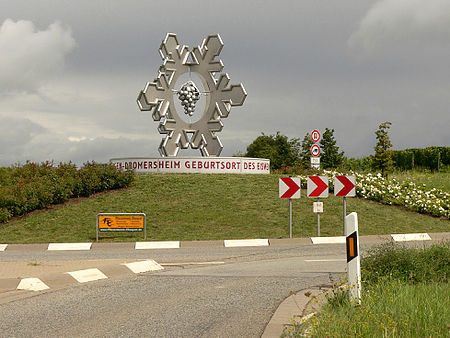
(207, 207)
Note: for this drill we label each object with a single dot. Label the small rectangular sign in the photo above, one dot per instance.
(318, 207)
(315, 163)
(121, 222)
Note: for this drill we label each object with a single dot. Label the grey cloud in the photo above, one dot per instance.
(28, 56)
(293, 58)
(392, 22)
(16, 133)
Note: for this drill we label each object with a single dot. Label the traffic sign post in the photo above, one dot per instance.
(289, 187)
(315, 150)
(353, 260)
(317, 186)
(345, 186)
(318, 209)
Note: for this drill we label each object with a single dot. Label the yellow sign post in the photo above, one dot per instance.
(115, 222)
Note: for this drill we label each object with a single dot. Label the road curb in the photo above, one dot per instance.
(296, 308)
(171, 245)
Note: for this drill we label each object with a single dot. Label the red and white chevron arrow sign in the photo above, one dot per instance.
(317, 186)
(344, 186)
(289, 187)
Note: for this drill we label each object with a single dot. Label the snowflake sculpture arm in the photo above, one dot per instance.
(158, 96)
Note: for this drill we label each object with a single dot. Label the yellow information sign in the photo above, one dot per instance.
(114, 222)
(121, 222)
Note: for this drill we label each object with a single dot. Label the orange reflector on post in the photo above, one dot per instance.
(352, 246)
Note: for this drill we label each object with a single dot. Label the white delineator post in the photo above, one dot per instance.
(353, 259)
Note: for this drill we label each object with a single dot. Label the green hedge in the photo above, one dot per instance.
(32, 186)
(431, 158)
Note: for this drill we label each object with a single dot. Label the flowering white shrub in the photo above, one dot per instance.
(409, 194)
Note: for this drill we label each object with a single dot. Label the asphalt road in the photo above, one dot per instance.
(232, 293)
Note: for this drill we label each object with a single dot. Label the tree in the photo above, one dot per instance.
(330, 155)
(305, 153)
(382, 160)
(277, 148)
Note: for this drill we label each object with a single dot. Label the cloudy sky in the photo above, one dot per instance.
(70, 72)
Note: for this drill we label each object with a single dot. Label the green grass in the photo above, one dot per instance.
(438, 180)
(207, 207)
(405, 293)
(389, 309)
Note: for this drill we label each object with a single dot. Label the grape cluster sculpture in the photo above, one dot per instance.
(189, 95)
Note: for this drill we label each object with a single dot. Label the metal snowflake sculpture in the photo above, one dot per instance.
(159, 96)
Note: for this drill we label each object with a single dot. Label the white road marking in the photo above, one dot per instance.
(32, 284)
(157, 245)
(245, 242)
(326, 260)
(3, 247)
(144, 266)
(328, 240)
(193, 263)
(88, 275)
(411, 237)
(69, 246)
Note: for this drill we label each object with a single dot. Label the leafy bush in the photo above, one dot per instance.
(5, 215)
(32, 186)
(413, 196)
(413, 265)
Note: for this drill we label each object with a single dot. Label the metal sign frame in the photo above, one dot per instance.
(121, 229)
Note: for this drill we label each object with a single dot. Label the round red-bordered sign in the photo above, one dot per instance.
(315, 150)
(315, 135)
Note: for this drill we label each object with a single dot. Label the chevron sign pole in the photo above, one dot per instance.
(289, 187)
(317, 186)
(345, 186)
